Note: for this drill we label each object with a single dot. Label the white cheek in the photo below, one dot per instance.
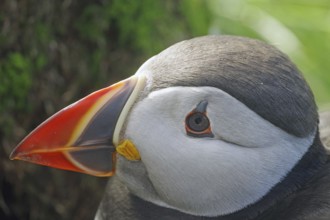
(188, 173)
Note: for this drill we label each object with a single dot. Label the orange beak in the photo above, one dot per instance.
(82, 137)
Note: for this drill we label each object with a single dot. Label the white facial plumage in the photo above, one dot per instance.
(206, 176)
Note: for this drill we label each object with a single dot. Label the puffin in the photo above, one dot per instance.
(215, 127)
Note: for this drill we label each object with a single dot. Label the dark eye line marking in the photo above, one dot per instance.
(201, 107)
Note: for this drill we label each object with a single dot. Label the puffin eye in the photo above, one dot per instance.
(197, 122)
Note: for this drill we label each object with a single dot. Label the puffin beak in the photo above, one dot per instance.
(83, 136)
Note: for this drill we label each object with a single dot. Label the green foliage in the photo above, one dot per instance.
(198, 17)
(16, 80)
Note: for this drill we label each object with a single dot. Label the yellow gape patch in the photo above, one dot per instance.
(128, 150)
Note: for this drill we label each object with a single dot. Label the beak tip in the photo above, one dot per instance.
(16, 154)
(13, 155)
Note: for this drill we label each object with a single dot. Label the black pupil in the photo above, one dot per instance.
(198, 122)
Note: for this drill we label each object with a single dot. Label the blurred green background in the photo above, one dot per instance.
(55, 52)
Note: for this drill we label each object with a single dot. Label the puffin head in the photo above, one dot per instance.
(210, 126)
